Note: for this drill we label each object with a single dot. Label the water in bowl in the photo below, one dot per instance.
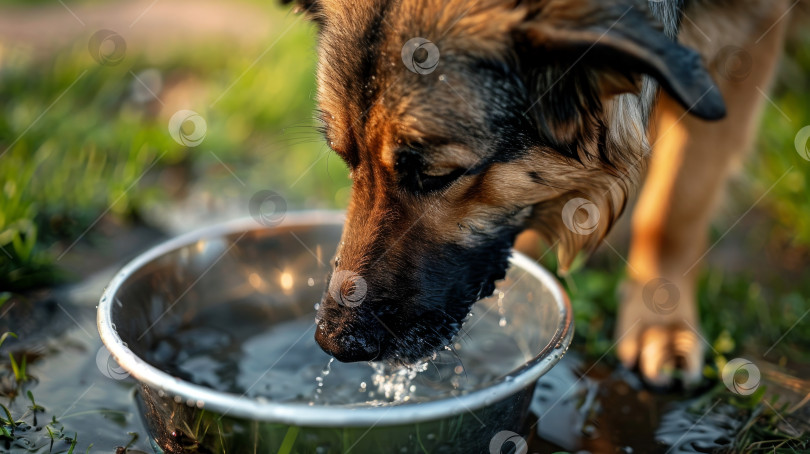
(240, 348)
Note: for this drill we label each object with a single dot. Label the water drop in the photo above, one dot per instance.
(328, 367)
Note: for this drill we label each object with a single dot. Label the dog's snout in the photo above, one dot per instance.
(348, 342)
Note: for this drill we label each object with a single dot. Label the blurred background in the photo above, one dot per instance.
(122, 123)
(86, 147)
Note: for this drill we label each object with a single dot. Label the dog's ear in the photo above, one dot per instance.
(613, 42)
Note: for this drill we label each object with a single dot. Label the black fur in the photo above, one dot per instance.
(432, 296)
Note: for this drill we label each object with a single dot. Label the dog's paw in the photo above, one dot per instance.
(657, 333)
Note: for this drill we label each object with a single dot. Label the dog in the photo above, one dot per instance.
(465, 123)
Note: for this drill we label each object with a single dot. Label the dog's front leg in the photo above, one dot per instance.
(658, 327)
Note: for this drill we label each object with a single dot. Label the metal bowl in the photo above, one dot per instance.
(161, 289)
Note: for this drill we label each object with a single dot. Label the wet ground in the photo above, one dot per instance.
(610, 410)
(69, 377)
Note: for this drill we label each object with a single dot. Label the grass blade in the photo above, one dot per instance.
(289, 440)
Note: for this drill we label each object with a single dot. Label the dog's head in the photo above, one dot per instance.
(464, 122)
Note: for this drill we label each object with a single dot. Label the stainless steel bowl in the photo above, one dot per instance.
(162, 288)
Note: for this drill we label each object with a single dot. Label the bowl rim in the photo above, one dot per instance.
(299, 414)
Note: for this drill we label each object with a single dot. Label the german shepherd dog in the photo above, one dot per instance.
(467, 122)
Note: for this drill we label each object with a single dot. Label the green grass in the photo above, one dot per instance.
(96, 150)
(18, 368)
(777, 158)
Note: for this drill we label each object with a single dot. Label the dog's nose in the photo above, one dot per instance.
(347, 346)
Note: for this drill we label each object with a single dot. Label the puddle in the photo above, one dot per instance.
(68, 381)
(607, 411)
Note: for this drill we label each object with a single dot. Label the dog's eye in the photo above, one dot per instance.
(413, 175)
(431, 183)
